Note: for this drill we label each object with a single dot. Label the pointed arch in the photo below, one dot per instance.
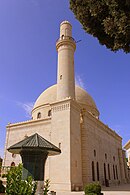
(93, 171)
(109, 176)
(97, 171)
(114, 176)
(39, 115)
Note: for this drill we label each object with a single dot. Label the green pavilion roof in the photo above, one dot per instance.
(34, 143)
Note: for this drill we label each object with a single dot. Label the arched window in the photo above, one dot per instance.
(12, 164)
(49, 113)
(39, 115)
(105, 176)
(93, 172)
(109, 176)
(97, 171)
(62, 37)
(105, 156)
(13, 155)
(94, 153)
(114, 172)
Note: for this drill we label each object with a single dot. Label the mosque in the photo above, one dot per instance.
(67, 116)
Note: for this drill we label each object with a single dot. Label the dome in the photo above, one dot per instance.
(82, 97)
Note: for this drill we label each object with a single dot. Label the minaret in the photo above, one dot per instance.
(65, 46)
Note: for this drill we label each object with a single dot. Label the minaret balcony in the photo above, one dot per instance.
(65, 40)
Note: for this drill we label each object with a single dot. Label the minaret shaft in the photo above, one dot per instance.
(65, 73)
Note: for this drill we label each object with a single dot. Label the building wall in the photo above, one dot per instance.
(75, 147)
(17, 132)
(83, 140)
(60, 165)
(128, 152)
(99, 145)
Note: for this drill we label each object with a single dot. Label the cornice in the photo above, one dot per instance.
(67, 99)
(127, 145)
(28, 122)
(67, 41)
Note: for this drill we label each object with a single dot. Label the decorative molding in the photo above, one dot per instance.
(61, 42)
(65, 106)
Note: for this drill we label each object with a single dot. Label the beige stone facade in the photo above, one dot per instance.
(67, 116)
(127, 147)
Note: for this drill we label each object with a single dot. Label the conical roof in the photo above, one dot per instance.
(34, 143)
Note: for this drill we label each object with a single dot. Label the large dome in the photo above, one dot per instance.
(82, 97)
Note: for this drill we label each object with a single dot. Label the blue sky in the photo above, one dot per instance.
(28, 62)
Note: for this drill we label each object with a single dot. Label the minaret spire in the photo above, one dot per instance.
(65, 75)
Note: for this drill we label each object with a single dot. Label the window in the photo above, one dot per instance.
(109, 176)
(114, 158)
(60, 77)
(97, 171)
(49, 113)
(13, 155)
(105, 176)
(39, 115)
(93, 172)
(94, 153)
(105, 156)
(62, 37)
(12, 164)
(114, 172)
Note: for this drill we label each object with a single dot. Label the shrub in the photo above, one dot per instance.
(46, 186)
(2, 188)
(93, 189)
(17, 186)
(4, 175)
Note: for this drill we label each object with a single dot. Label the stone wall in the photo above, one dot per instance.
(100, 147)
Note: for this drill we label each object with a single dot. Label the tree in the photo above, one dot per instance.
(108, 20)
(17, 186)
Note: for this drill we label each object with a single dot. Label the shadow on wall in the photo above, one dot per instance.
(122, 187)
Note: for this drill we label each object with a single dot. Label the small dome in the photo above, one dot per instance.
(82, 97)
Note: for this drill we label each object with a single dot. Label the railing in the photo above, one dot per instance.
(65, 38)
